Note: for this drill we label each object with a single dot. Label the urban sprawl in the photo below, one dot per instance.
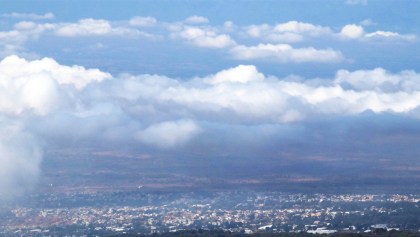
(142, 212)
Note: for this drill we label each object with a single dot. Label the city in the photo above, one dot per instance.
(240, 211)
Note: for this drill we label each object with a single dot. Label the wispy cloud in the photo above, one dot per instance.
(353, 31)
(196, 20)
(292, 31)
(356, 2)
(92, 27)
(30, 16)
(142, 21)
(286, 53)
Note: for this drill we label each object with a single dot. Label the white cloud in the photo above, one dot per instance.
(62, 104)
(92, 27)
(285, 53)
(32, 29)
(243, 94)
(382, 34)
(35, 85)
(379, 80)
(76, 76)
(20, 159)
(389, 35)
(203, 37)
(196, 20)
(142, 21)
(267, 33)
(13, 36)
(301, 27)
(240, 74)
(32, 89)
(85, 27)
(352, 31)
(292, 31)
(278, 48)
(25, 25)
(13, 41)
(231, 101)
(357, 32)
(30, 16)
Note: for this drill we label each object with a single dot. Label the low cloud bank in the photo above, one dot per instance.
(43, 102)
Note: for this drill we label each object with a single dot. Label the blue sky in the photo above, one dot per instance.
(327, 82)
(389, 16)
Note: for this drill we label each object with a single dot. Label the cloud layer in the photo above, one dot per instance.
(44, 87)
(74, 106)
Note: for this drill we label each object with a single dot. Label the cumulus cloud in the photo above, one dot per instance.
(242, 92)
(85, 27)
(14, 68)
(285, 53)
(245, 94)
(353, 31)
(203, 37)
(379, 80)
(266, 32)
(92, 27)
(301, 27)
(142, 21)
(292, 31)
(32, 89)
(30, 16)
(35, 85)
(241, 74)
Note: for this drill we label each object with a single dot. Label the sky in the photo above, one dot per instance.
(328, 83)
